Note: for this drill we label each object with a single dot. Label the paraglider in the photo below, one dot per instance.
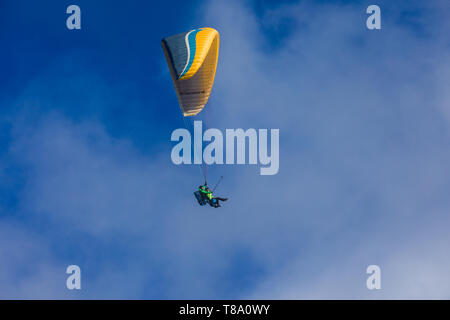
(192, 59)
(204, 195)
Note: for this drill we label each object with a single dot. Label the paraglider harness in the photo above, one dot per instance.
(204, 196)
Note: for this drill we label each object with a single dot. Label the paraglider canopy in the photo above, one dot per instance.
(192, 58)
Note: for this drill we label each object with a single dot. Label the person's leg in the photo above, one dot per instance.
(215, 202)
(221, 199)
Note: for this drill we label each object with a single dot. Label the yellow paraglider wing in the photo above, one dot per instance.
(192, 58)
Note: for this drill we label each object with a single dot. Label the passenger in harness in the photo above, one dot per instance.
(204, 195)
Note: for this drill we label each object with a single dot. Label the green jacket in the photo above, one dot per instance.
(207, 194)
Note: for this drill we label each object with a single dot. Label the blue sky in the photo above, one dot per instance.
(86, 176)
